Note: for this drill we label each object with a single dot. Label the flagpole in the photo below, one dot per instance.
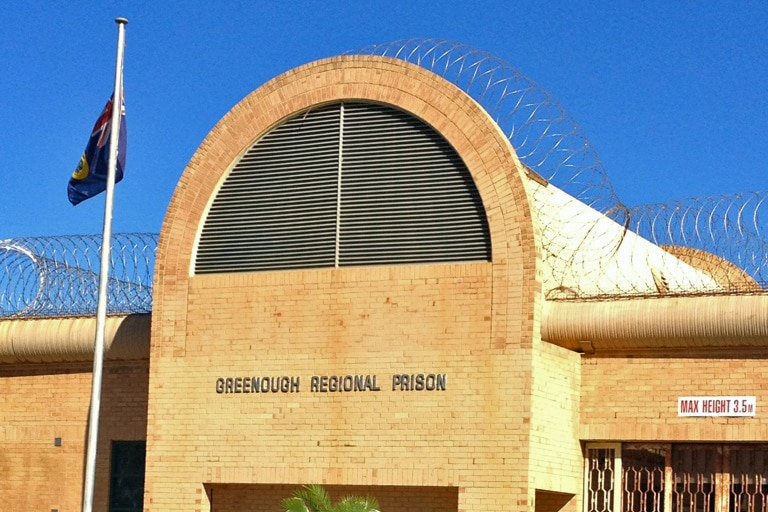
(101, 311)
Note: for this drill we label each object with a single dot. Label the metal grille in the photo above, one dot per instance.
(642, 479)
(693, 469)
(600, 480)
(277, 207)
(678, 478)
(406, 196)
(748, 475)
(346, 184)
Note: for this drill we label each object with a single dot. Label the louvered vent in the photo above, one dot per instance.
(344, 185)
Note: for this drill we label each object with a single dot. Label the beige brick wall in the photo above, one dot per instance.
(556, 458)
(475, 323)
(635, 398)
(359, 321)
(39, 403)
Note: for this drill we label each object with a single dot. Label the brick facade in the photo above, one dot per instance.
(474, 323)
(427, 386)
(626, 398)
(45, 405)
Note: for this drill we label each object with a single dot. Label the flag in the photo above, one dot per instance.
(90, 176)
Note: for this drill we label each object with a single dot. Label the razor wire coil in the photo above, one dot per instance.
(693, 246)
(59, 275)
(700, 246)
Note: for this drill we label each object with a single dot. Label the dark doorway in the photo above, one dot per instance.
(126, 476)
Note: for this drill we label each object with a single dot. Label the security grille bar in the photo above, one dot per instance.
(398, 190)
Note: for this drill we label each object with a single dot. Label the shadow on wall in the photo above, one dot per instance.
(267, 497)
(550, 501)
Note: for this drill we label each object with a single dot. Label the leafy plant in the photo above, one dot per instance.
(314, 498)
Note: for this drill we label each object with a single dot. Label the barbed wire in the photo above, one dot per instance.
(725, 235)
(59, 276)
(592, 245)
(545, 137)
(711, 245)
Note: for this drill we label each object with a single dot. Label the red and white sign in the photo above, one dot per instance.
(716, 406)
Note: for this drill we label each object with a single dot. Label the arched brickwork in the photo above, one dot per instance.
(486, 152)
(475, 322)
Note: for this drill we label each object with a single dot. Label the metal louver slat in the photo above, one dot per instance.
(405, 196)
(277, 207)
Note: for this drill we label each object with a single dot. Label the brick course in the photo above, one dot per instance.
(475, 323)
(635, 398)
(40, 403)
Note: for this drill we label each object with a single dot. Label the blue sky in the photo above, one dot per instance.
(672, 95)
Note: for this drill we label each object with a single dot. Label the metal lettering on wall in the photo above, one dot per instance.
(331, 383)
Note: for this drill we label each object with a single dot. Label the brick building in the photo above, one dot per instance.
(351, 288)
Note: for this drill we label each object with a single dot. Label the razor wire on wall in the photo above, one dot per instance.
(712, 245)
(544, 135)
(591, 244)
(725, 234)
(59, 276)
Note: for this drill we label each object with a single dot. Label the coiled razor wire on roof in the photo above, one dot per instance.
(585, 255)
(544, 135)
(710, 245)
(732, 227)
(59, 276)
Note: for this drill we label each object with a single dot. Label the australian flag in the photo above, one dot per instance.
(90, 177)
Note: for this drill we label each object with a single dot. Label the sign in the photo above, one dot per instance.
(330, 383)
(716, 406)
